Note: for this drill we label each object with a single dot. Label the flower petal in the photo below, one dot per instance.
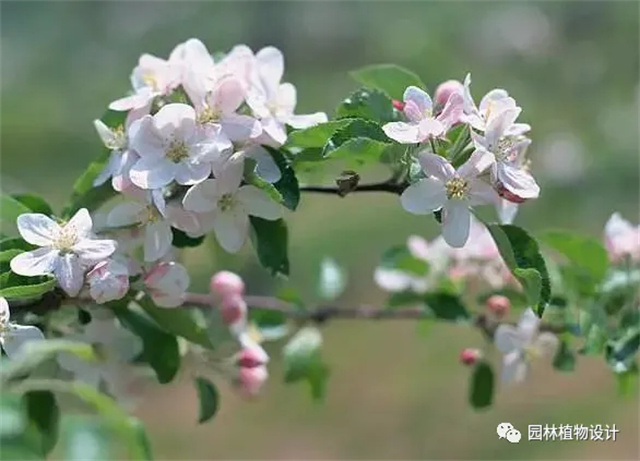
(419, 97)
(517, 181)
(436, 166)
(37, 228)
(271, 68)
(157, 240)
(274, 129)
(145, 139)
(266, 166)
(92, 251)
(4, 311)
(482, 193)
(479, 161)
(174, 118)
(231, 229)
(203, 197)
(306, 120)
(404, 133)
(37, 262)
(188, 173)
(507, 339)
(80, 224)
(69, 273)
(126, 214)
(17, 337)
(152, 173)
(528, 326)
(514, 368)
(240, 128)
(257, 203)
(456, 222)
(424, 196)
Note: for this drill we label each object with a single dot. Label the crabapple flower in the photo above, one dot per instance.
(251, 379)
(446, 89)
(622, 238)
(520, 344)
(12, 335)
(171, 147)
(451, 190)
(234, 311)
(108, 281)
(167, 283)
(252, 354)
(67, 250)
(498, 305)
(470, 356)
(231, 203)
(422, 124)
(225, 283)
(274, 102)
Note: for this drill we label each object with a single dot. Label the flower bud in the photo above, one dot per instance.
(225, 283)
(252, 356)
(167, 283)
(250, 380)
(398, 105)
(446, 89)
(498, 305)
(233, 309)
(470, 356)
(108, 281)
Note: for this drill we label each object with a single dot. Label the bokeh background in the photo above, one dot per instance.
(397, 390)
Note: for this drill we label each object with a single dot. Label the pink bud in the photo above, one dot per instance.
(446, 89)
(108, 281)
(498, 305)
(233, 309)
(166, 283)
(252, 357)
(470, 356)
(398, 105)
(251, 380)
(225, 283)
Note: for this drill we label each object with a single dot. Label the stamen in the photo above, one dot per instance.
(226, 202)
(177, 151)
(457, 189)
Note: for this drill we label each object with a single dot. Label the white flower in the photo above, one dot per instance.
(452, 190)
(231, 203)
(509, 171)
(194, 65)
(67, 251)
(170, 147)
(274, 102)
(166, 283)
(491, 105)
(121, 158)
(13, 336)
(144, 212)
(622, 238)
(422, 124)
(304, 343)
(507, 211)
(108, 281)
(522, 343)
(191, 223)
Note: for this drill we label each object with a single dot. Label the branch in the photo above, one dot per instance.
(386, 186)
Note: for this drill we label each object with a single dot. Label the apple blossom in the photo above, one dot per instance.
(422, 125)
(12, 335)
(446, 89)
(231, 203)
(451, 190)
(225, 283)
(251, 355)
(192, 223)
(166, 283)
(108, 281)
(622, 239)
(520, 344)
(470, 356)
(498, 305)
(251, 379)
(67, 250)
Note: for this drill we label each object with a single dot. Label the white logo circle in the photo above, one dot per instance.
(503, 428)
(514, 436)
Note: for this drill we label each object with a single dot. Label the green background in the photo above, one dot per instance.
(397, 390)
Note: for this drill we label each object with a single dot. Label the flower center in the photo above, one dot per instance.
(66, 239)
(504, 148)
(149, 215)
(150, 80)
(530, 353)
(209, 115)
(226, 202)
(119, 138)
(457, 189)
(177, 151)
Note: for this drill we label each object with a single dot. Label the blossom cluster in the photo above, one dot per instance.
(496, 170)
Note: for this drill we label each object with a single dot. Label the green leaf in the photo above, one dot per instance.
(267, 318)
(624, 348)
(159, 348)
(17, 287)
(182, 240)
(287, 185)
(10, 209)
(114, 118)
(482, 382)
(400, 258)
(7, 255)
(405, 299)
(390, 78)
(332, 281)
(251, 177)
(628, 381)
(358, 143)
(565, 359)
(35, 203)
(446, 306)
(585, 252)
(315, 136)
(521, 254)
(83, 439)
(85, 195)
(367, 104)
(270, 239)
(44, 415)
(307, 368)
(209, 398)
(16, 243)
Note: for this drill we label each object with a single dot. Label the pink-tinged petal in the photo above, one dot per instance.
(121, 178)
(266, 166)
(479, 161)
(257, 203)
(240, 128)
(404, 133)
(307, 120)
(156, 274)
(270, 67)
(514, 368)
(430, 128)
(275, 130)
(69, 273)
(617, 227)
(419, 247)
(446, 89)
(227, 96)
(507, 339)
(231, 230)
(452, 111)
(424, 196)
(456, 221)
(412, 112)
(37, 262)
(212, 142)
(518, 129)
(517, 180)
(203, 197)
(174, 118)
(92, 252)
(80, 224)
(482, 193)
(418, 97)
(157, 240)
(145, 139)
(490, 98)
(17, 336)
(436, 166)
(37, 228)
(152, 173)
(188, 174)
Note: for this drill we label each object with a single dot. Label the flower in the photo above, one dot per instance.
(622, 238)
(12, 335)
(452, 190)
(225, 283)
(233, 310)
(470, 356)
(498, 305)
(251, 355)
(231, 203)
(274, 102)
(251, 379)
(171, 147)
(446, 89)
(167, 283)
(108, 281)
(67, 250)
(520, 344)
(422, 124)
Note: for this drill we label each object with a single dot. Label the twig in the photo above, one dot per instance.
(391, 187)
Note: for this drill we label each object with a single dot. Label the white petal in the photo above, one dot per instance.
(80, 224)
(192, 173)
(4, 311)
(240, 128)
(546, 343)
(92, 251)
(436, 166)
(266, 166)
(479, 161)
(481, 193)
(418, 97)
(37, 262)
(430, 128)
(203, 197)
(231, 229)
(456, 221)
(405, 133)
(152, 173)
(229, 174)
(110, 169)
(17, 337)
(514, 368)
(506, 211)
(424, 197)
(69, 273)
(257, 203)
(174, 118)
(499, 124)
(126, 214)
(227, 96)
(285, 100)
(490, 98)
(271, 67)
(37, 228)
(528, 326)
(307, 120)
(517, 181)
(507, 339)
(392, 280)
(145, 139)
(157, 240)
(274, 129)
